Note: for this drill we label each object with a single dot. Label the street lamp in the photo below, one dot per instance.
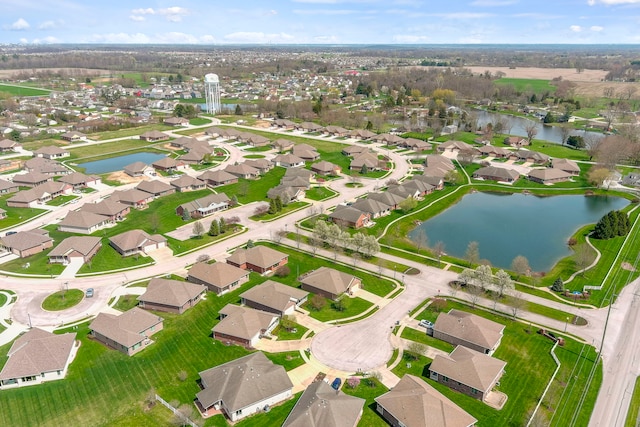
(565, 324)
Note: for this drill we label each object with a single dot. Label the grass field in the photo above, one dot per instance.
(16, 215)
(368, 389)
(63, 299)
(354, 307)
(17, 90)
(537, 86)
(423, 338)
(634, 407)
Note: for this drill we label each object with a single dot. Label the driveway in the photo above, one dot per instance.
(365, 345)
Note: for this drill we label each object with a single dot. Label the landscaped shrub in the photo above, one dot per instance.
(615, 223)
(353, 382)
(558, 285)
(283, 271)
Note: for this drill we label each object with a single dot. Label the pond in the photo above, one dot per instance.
(118, 163)
(508, 225)
(518, 127)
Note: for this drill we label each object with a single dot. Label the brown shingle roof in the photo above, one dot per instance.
(132, 239)
(81, 244)
(219, 274)
(108, 207)
(171, 292)
(274, 295)
(469, 327)
(83, 219)
(127, 328)
(243, 322)
(415, 403)
(154, 186)
(469, 367)
(329, 280)
(261, 256)
(24, 240)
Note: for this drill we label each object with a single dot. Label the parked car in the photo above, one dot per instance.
(9, 233)
(426, 324)
(89, 293)
(336, 384)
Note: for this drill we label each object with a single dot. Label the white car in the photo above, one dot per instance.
(426, 324)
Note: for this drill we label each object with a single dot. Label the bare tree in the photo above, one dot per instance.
(314, 244)
(420, 239)
(438, 250)
(415, 350)
(516, 303)
(565, 132)
(475, 292)
(532, 131)
(454, 287)
(520, 265)
(592, 144)
(472, 255)
(582, 256)
(198, 229)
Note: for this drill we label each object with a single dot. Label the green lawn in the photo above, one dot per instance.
(291, 207)
(63, 299)
(105, 387)
(34, 264)
(134, 131)
(412, 364)
(289, 359)
(355, 306)
(368, 389)
(634, 407)
(126, 302)
(199, 121)
(107, 259)
(283, 334)
(421, 337)
(15, 90)
(249, 191)
(537, 86)
(61, 200)
(16, 215)
(91, 152)
(320, 193)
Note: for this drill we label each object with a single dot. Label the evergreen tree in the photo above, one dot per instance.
(186, 216)
(222, 226)
(238, 111)
(364, 170)
(558, 285)
(278, 203)
(214, 228)
(272, 206)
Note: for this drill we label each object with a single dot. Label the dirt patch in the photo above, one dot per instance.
(627, 266)
(123, 178)
(596, 89)
(545, 73)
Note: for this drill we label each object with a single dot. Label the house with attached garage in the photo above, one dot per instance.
(330, 283)
(112, 209)
(51, 152)
(133, 197)
(26, 243)
(218, 277)
(243, 387)
(260, 259)
(218, 177)
(475, 332)
(274, 297)
(74, 247)
(137, 242)
(37, 357)
(188, 183)
(156, 188)
(83, 222)
(243, 325)
(204, 206)
(171, 296)
(129, 332)
(348, 216)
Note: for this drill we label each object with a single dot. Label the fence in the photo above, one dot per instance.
(186, 421)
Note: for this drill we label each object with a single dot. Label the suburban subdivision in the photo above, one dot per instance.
(364, 244)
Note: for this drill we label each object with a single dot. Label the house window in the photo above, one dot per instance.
(474, 391)
(445, 379)
(239, 412)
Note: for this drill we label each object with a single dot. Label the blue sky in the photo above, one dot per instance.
(320, 21)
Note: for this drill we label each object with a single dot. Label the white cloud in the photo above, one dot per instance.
(462, 15)
(208, 38)
(326, 12)
(46, 40)
(271, 12)
(407, 38)
(575, 28)
(50, 25)
(147, 11)
(171, 14)
(19, 25)
(176, 38)
(334, 1)
(23, 41)
(493, 3)
(137, 18)
(596, 28)
(258, 37)
(612, 2)
(137, 38)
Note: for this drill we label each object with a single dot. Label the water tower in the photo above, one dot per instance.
(212, 93)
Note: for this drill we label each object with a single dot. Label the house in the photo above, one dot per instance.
(83, 222)
(154, 136)
(414, 403)
(437, 165)
(214, 132)
(8, 187)
(79, 180)
(321, 405)
(176, 121)
(282, 145)
(39, 194)
(566, 165)
(286, 193)
(415, 144)
(37, 357)
(218, 177)
(133, 197)
(548, 176)
(229, 133)
(389, 139)
(8, 145)
(218, 277)
(284, 124)
(243, 171)
(51, 152)
(474, 332)
(361, 134)
(156, 188)
(349, 217)
(110, 208)
(137, 242)
(263, 165)
(306, 152)
(169, 165)
(74, 247)
(492, 151)
(436, 181)
(137, 169)
(297, 177)
(336, 131)
(494, 173)
(25, 243)
(260, 259)
(187, 183)
(187, 143)
(449, 129)
(243, 325)
(309, 127)
(254, 140)
(243, 387)
(369, 161)
(45, 166)
(204, 206)
(454, 147)
(171, 296)
(288, 161)
(467, 371)
(386, 198)
(274, 297)
(330, 283)
(128, 332)
(516, 141)
(632, 179)
(529, 156)
(373, 207)
(325, 168)
(355, 150)
(31, 179)
(73, 136)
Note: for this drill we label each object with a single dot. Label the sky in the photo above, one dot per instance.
(210, 22)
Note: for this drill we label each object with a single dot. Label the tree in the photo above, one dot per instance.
(420, 239)
(516, 303)
(243, 188)
(582, 256)
(565, 132)
(438, 250)
(238, 111)
(408, 204)
(484, 277)
(183, 415)
(370, 247)
(186, 216)
(250, 244)
(466, 276)
(550, 118)
(261, 209)
(353, 382)
(503, 282)
(520, 265)
(214, 228)
(222, 225)
(532, 131)
(598, 175)
(472, 254)
(415, 350)
(317, 302)
(321, 230)
(287, 322)
(614, 223)
(364, 170)
(273, 208)
(576, 141)
(475, 292)
(234, 200)
(341, 304)
(198, 229)
(558, 285)
(357, 241)
(154, 222)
